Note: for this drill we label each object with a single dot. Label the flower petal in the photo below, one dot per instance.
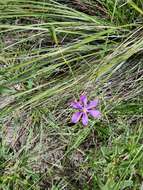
(76, 105)
(84, 119)
(95, 113)
(76, 117)
(83, 100)
(92, 104)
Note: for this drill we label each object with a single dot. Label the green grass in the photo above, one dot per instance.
(50, 52)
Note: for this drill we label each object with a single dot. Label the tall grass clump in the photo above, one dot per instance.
(51, 51)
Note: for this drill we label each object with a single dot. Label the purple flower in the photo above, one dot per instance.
(85, 108)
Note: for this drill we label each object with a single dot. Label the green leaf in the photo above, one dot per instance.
(5, 90)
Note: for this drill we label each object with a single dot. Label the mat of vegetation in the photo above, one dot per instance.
(51, 52)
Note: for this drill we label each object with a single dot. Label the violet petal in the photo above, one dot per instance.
(92, 104)
(85, 119)
(76, 105)
(95, 113)
(76, 117)
(83, 100)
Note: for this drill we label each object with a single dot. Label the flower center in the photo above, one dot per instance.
(84, 110)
